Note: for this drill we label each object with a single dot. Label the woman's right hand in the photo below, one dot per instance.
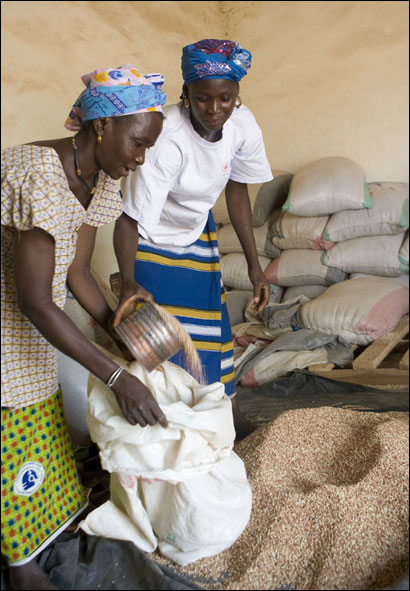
(130, 294)
(136, 402)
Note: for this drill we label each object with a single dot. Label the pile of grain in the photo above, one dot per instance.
(330, 505)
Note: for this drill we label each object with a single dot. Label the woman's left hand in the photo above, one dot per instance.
(261, 288)
(130, 294)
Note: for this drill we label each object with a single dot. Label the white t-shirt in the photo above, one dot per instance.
(183, 175)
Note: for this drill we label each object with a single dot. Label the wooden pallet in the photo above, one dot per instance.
(384, 364)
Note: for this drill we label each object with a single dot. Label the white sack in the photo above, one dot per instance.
(270, 196)
(236, 301)
(389, 214)
(72, 376)
(296, 267)
(374, 255)
(73, 380)
(401, 279)
(358, 310)
(234, 270)
(291, 231)
(309, 291)
(326, 186)
(182, 487)
(263, 197)
(228, 241)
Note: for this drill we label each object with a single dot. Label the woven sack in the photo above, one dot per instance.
(358, 310)
(389, 214)
(236, 300)
(309, 291)
(291, 231)
(228, 241)
(263, 197)
(373, 255)
(234, 271)
(297, 267)
(326, 186)
(270, 196)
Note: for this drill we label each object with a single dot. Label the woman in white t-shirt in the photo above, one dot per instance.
(209, 142)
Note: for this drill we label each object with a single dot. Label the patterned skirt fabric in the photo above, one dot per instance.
(41, 490)
(186, 281)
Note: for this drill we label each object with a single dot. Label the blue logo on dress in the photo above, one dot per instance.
(29, 478)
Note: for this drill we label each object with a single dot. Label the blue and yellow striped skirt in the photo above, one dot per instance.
(186, 281)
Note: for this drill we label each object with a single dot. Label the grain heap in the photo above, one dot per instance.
(330, 505)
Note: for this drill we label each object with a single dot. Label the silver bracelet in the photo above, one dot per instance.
(111, 381)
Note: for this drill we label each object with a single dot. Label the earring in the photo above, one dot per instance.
(238, 102)
(99, 139)
(186, 102)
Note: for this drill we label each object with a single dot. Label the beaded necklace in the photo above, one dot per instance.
(91, 190)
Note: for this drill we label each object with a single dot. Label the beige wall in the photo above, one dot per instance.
(47, 46)
(328, 78)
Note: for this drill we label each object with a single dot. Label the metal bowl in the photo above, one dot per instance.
(147, 336)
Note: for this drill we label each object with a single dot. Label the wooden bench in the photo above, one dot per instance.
(384, 364)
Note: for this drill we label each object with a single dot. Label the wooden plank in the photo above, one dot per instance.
(404, 361)
(321, 367)
(385, 379)
(380, 348)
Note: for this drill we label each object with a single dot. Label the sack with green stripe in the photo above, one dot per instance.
(326, 186)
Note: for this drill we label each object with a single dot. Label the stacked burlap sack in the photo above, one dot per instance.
(331, 228)
(265, 198)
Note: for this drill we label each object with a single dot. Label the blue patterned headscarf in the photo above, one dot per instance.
(113, 92)
(214, 58)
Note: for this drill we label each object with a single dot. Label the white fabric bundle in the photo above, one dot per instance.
(181, 488)
(326, 186)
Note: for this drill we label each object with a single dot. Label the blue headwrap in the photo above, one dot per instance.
(112, 92)
(214, 58)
